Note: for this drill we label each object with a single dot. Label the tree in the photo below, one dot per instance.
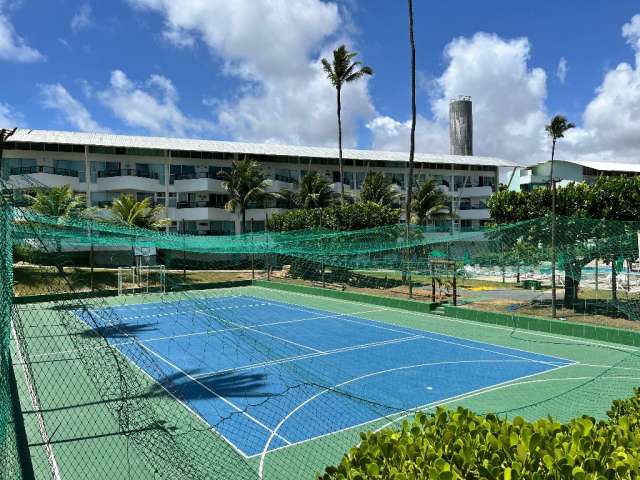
(340, 72)
(315, 191)
(428, 203)
(412, 146)
(244, 182)
(596, 222)
(378, 189)
(129, 211)
(60, 202)
(290, 198)
(556, 129)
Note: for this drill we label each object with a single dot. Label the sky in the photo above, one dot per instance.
(249, 70)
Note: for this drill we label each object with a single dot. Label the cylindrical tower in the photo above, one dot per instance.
(461, 126)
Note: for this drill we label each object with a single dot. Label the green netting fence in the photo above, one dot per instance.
(94, 401)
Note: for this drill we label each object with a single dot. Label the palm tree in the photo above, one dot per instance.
(556, 129)
(290, 198)
(377, 189)
(428, 203)
(340, 72)
(60, 202)
(128, 210)
(412, 146)
(244, 182)
(315, 191)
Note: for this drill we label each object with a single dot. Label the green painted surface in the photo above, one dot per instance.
(80, 394)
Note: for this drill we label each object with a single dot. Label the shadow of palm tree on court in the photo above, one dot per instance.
(118, 331)
(227, 385)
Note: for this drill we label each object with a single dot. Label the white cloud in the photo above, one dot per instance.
(56, 97)
(561, 71)
(508, 101)
(9, 117)
(82, 19)
(12, 46)
(274, 47)
(151, 106)
(631, 32)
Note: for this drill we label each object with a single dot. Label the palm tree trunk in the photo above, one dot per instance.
(243, 211)
(340, 146)
(412, 145)
(553, 235)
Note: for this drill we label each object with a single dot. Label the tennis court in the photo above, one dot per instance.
(331, 361)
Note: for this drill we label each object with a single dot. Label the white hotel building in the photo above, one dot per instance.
(184, 174)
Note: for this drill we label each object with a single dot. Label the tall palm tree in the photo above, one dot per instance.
(377, 189)
(244, 182)
(340, 72)
(429, 202)
(60, 202)
(315, 191)
(130, 211)
(412, 146)
(556, 129)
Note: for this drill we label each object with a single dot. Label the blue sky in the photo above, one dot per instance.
(248, 70)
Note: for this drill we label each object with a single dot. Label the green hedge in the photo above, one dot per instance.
(354, 216)
(463, 445)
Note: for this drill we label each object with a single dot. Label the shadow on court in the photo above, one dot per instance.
(228, 385)
(121, 330)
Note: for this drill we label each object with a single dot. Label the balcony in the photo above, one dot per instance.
(26, 177)
(198, 182)
(479, 212)
(477, 191)
(200, 211)
(128, 179)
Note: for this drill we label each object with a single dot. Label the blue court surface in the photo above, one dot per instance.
(267, 374)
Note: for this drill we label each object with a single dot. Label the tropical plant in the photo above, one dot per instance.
(429, 203)
(461, 445)
(556, 130)
(290, 198)
(412, 144)
(315, 191)
(60, 202)
(340, 71)
(130, 211)
(245, 182)
(341, 216)
(378, 189)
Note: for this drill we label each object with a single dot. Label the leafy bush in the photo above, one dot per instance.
(463, 445)
(353, 216)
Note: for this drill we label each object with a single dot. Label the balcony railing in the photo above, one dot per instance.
(473, 207)
(128, 173)
(43, 169)
(195, 176)
(201, 204)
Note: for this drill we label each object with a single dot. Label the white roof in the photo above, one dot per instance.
(163, 143)
(606, 166)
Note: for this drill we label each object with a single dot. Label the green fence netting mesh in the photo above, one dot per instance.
(142, 354)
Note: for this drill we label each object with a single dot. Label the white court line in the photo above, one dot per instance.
(312, 398)
(210, 390)
(363, 346)
(444, 401)
(429, 338)
(443, 318)
(189, 312)
(37, 408)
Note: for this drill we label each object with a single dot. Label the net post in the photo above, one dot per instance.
(253, 267)
(455, 287)
(91, 257)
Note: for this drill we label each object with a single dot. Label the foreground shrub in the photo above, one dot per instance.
(463, 445)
